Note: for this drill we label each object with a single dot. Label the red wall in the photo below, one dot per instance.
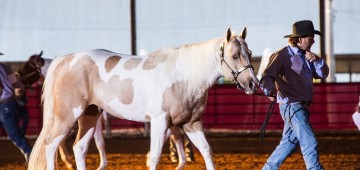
(332, 108)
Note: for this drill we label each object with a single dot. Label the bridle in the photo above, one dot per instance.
(27, 72)
(234, 73)
(37, 71)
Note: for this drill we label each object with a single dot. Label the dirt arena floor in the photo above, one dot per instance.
(339, 151)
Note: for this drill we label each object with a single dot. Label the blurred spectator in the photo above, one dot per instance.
(356, 115)
(8, 121)
(29, 73)
(22, 113)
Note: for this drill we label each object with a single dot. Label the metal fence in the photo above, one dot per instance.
(228, 108)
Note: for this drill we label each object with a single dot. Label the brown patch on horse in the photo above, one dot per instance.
(132, 63)
(183, 109)
(85, 77)
(63, 83)
(124, 89)
(153, 60)
(111, 62)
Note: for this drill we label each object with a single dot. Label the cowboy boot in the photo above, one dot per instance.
(189, 152)
(173, 152)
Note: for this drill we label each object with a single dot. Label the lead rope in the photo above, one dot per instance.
(268, 115)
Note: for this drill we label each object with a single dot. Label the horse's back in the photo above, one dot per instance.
(102, 77)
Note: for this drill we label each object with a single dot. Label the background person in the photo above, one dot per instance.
(356, 115)
(8, 119)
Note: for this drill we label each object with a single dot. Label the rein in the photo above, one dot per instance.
(234, 73)
(268, 115)
(29, 74)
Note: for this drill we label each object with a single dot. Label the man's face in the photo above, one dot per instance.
(306, 42)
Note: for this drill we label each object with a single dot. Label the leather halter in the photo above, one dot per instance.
(234, 73)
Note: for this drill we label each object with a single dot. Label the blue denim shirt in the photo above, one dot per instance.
(291, 87)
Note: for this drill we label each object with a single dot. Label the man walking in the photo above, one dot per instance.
(289, 74)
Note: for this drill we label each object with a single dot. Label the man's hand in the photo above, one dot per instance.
(270, 94)
(18, 93)
(311, 56)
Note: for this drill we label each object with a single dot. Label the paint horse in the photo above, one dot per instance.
(168, 87)
(33, 71)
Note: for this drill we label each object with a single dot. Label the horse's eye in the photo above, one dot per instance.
(235, 56)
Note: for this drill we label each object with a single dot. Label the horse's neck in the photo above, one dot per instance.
(200, 63)
(202, 57)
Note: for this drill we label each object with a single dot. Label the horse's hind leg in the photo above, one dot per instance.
(100, 144)
(58, 133)
(177, 137)
(87, 123)
(65, 155)
(196, 135)
(107, 122)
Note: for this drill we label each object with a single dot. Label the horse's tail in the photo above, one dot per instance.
(38, 156)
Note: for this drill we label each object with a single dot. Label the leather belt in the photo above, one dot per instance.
(7, 100)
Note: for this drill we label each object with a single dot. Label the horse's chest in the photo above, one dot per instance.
(185, 109)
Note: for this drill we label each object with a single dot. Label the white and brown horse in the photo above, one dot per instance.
(33, 71)
(167, 88)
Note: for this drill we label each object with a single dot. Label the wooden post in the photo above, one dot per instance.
(133, 26)
(322, 30)
(330, 57)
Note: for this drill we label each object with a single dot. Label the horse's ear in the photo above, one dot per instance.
(228, 34)
(243, 33)
(41, 53)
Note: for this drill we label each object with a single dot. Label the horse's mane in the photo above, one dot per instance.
(194, 63)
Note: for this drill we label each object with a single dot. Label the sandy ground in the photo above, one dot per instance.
(231, 152)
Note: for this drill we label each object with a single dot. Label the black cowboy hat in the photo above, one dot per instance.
(302, 28)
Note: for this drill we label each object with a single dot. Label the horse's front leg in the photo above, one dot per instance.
(196, 135)
(157, 132)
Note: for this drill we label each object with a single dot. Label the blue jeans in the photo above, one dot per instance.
(297, 130)
(9, 122)
(22, 115)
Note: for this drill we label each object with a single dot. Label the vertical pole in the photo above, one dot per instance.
(330, 58)
(133, 27)
(322, 30)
